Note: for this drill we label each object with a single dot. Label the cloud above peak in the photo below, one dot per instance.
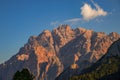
(89, 13)
(73, 20)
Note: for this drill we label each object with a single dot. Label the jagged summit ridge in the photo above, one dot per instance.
(51, 52)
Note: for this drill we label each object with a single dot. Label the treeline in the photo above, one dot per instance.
(109, 69)
(23, 75)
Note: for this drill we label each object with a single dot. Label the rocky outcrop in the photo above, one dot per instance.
(51, 52)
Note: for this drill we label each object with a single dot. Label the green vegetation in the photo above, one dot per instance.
(23, 75)
(105, 68)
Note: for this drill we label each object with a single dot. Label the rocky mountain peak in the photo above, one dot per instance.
(62, 35)
(32, 38)
(46, 33)
(112, 35)
(51, 52)
(80, 30)
(64, 27)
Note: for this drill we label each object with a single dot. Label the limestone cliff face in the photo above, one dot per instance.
(51, 52)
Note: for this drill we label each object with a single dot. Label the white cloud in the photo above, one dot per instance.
(68, 21)
(74, 20)
(89, 13)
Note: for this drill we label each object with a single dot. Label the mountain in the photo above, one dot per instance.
(107, 68)
(47, 55)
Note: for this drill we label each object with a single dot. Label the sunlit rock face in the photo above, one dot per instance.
(22, 57)
(51, 52)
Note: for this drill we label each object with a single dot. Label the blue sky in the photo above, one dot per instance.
(20, 19)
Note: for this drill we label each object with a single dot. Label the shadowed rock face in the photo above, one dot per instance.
(106, 68)
(51, 52)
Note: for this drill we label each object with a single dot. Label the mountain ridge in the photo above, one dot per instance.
(51, 52)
